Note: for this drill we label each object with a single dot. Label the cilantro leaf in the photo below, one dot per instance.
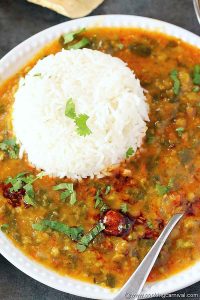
(29, 189)
(64, 195)
(16, 186)
(10, 147)
(99, 203)
(4, 227)
(162, 189)
(120, 46)
(171, 183)
(30, 194)
(69, 37)
(196, 75)
(180, 131)
(81, 248)
(73, 199)
(82, 128)
(98, 199)
(70, 109)
(62, 186)
(177, 84)
(68, 192)
(124, 208)
(21, 174)
(129, 152)
(28, 200)
(40, 175)
(25, 181)
(80, 120)
(74, 233)
(108, 189)
(79, 45)
(88, 237)
(196, 89)
(150, 224)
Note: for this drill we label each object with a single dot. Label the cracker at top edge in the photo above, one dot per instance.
(70, 8)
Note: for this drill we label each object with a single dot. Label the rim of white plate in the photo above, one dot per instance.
(9, 65)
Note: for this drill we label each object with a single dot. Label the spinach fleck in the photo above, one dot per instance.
(177, 84)
(10, 147)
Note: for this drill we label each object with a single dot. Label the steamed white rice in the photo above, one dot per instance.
(102, 87)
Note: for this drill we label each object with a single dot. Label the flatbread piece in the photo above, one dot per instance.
(70, 8)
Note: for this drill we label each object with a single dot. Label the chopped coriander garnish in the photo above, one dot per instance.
(177, 84)
(70, 109)
(196, 75)
(4, 227)
(98, 198)
(124, 208)
(88, 237)
(79, 45)
(82, 128)
(108, 189)
(150, 224)
(120, 46)
(40, 175)
(74, 233)
(73, 198)
(80, 120)
(62, 186)
(81, 248)
(129, 152)
(69, 37)
(99, 203)
(40, 226)
(171, 183)
(24, 181)
(29, 196)
(162, 189)
(180, 131)
(68, 192)
(10, 147)
(196, 89)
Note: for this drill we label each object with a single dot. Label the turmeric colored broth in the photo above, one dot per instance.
(169, 160)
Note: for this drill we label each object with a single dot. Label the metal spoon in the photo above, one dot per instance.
(134, 286)
(197, 8)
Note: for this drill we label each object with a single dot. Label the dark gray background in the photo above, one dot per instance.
(18, 21)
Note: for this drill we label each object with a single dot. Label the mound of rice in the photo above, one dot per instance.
(102, 87)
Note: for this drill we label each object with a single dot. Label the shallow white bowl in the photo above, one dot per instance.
(11, 63)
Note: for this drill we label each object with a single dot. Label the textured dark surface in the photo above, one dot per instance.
(18, 21)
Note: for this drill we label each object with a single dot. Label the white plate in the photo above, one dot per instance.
(11, 63)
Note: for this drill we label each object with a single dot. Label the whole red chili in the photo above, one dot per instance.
(15, 198)
(116, 223)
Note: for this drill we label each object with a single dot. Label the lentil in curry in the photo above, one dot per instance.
(141, 194)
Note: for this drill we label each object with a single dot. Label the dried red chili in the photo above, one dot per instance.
(116, 223)
(14, 198)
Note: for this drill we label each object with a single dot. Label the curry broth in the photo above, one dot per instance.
(169, 158)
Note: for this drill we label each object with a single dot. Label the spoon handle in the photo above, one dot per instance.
(134, 285)
(197, 8)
